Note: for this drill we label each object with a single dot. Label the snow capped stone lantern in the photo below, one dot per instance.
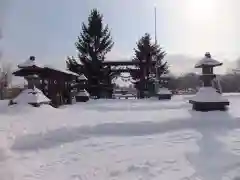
(207, 98)
(163, 92)
(32, 95)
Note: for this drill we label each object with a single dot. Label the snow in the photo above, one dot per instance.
(29, 63)
(82, 77)
(208, 94)
(120, 140)
(164, 91)
(34, 76)
(31, 96)
(127, 95)
(61, 70)
(207, 62)
(165, 76)
(83, 93)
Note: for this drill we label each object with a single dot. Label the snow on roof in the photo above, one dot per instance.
(164, 91)
(83, 93)
(207, 61)
(82, 77)
(165, 76)
(33, 76)
(61, 70)
(31, 96)
(31, 62)
(208, 94)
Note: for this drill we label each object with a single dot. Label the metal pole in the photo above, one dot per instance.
(156, 66)
(155, 17)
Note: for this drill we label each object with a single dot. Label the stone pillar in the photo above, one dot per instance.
(32, 80)
(207, 76)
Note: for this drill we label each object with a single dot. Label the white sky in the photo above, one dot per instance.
(186, 29)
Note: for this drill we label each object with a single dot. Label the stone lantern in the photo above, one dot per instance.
(163, 92)
(207, 98)
(82, 95)
(32, 95)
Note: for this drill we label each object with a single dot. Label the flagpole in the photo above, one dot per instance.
(155, 22)
(156, 65)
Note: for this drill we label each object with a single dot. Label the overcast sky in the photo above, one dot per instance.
(186, 29)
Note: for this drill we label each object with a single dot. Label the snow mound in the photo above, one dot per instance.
(207, 62)
(31, 96)
(164, 91)
(83, 93)
(208, 94)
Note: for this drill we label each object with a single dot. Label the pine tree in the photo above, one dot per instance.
(93, 43)
(74, 66)
(148, 54)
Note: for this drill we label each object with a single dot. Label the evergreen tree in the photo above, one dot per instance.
(93, 43)
(148, 54)
(74, 66)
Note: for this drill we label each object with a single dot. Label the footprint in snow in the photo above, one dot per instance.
(134, 168)
(76, 177)
(114, 173)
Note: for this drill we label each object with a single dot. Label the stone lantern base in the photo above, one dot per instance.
(208, 99)
(209, 106)
(164, 96)
(164, 93)
(82, 96)
(33, 97)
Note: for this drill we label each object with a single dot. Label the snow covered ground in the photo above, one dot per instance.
(120, 140)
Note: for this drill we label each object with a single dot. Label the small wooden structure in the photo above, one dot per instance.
(163, 92)
(55, 83)
(207, 98)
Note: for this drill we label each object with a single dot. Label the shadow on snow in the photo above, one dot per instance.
(199, 121)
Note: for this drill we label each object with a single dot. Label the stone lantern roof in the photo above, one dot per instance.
(31, 62)
(83, 92)
(207, 61)
(82, 77)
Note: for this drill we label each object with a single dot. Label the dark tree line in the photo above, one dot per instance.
(229, 82)
(95, 41)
